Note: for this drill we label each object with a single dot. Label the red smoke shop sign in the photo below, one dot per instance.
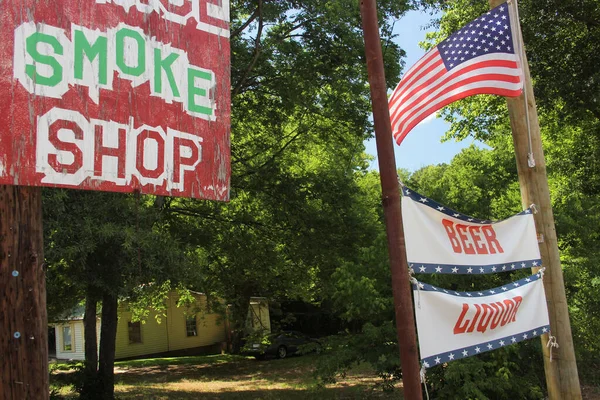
(116, 95)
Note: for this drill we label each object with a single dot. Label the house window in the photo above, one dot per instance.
(67, 338)
(135, 332)
(190, 326)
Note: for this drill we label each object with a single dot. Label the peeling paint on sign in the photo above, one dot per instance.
(116, 95)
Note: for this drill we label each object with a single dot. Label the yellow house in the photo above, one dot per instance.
(191, 329)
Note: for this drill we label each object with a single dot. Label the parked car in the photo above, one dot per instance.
(281, 344)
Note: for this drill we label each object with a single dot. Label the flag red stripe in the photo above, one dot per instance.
(409, 84)
(415, 69)
(399, 136)
(416, 107)
(453, 74)
(468, 79)
(419, 83)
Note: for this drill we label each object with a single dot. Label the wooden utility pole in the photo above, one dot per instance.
(23, 321)
(405, 320)
(561, 370)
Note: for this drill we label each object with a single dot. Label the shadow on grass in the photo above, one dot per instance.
(355, 392)
(226, 377)
(294, 370)
(189, 360)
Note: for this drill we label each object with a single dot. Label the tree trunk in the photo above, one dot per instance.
(108, 336)
(90, 379)
(239, 315)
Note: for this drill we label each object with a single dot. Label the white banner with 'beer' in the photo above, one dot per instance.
(441, 240)
(453, 325)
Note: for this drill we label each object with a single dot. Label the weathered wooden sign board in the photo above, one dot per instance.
(116, 95)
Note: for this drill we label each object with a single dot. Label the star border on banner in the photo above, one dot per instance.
(483, 347)
(428, 268)
(406, 192)
(484, 293)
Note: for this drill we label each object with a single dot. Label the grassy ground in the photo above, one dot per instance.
(227, 377)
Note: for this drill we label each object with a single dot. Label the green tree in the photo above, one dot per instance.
(562, 49)
(299, 117)
(483, 183)
(102, 246)
(479, 182)
(300, 111)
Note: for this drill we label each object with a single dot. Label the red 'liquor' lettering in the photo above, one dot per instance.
(487, 315)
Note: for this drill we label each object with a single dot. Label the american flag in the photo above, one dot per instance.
(479, 58)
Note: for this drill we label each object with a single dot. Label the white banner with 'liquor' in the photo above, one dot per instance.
(441, 240)
(453, 325)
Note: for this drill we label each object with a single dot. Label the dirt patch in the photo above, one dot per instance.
(590, 393)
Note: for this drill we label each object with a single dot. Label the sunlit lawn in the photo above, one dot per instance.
(230, 377)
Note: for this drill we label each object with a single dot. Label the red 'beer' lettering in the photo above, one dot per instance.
(487, 315)
(472, 239)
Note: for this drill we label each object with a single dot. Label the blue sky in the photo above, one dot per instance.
(423, 144)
